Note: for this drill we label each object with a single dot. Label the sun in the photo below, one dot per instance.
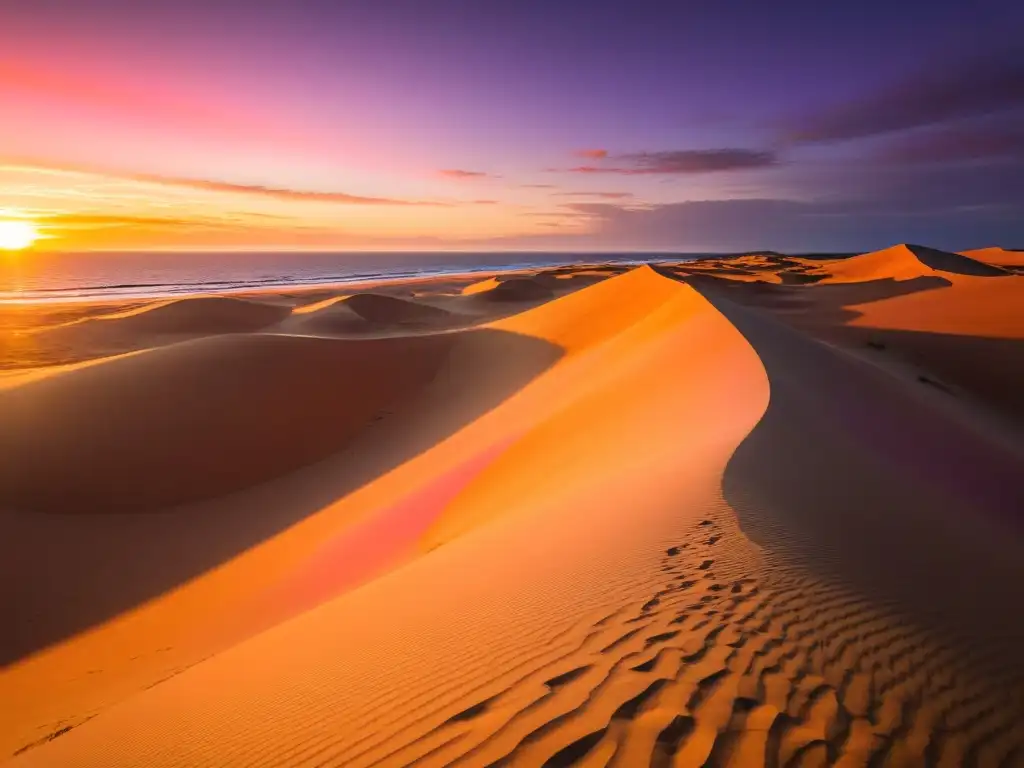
(16, 235)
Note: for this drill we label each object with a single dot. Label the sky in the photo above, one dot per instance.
(512, 124)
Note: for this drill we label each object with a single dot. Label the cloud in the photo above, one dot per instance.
(282, 193)
(955, 89)
(216, 185)
(994, 138)
(592, 154)
(458, 173)
(602, 195)
(560, 214)
(102, 221)
(861, 206)
(786, 225)
(683, 161)
(538, 186)
(93, 221)
(485, 202)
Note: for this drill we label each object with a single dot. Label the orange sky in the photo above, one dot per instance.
(79, 209)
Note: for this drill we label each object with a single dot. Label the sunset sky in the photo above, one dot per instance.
(450, 124)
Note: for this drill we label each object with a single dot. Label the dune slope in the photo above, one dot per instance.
(197, 419)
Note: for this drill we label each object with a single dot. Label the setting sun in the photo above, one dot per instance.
(16, 235)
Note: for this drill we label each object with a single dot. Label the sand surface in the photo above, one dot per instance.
(752, 510)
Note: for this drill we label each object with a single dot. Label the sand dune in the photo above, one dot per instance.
(99, 333)
(194, 315)
(327, 317)
(639, 524)
(1000, 257)
(135, 447)
(319, 305)
(960, 334)
(904, 262)
(516, 289)
(389, 310)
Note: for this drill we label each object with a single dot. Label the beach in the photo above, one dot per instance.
(748, 510)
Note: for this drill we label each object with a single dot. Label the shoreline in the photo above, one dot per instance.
(100, 293)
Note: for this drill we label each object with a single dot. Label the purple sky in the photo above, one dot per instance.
(554, 124)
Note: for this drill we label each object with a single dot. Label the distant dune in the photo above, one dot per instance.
(756, 510)
(196, 315)
(516, 289)
(904, 262)
(1000, 257)
(389, 310)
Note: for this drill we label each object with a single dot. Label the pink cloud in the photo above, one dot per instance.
(603, 195)
(458, 173)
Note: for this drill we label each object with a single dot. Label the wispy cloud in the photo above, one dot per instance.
(683, 161)
(564, 213)
(602, 195)
(460, 173)
(592, 154)
(953, 89)
(283, 193)
(217, 185)
(995, 139)
(92, 221)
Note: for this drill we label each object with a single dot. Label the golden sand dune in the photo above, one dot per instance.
(1000, 257)
(904, 262)
(970, 306)
(319, 304)
(639, 524)
(480, 286)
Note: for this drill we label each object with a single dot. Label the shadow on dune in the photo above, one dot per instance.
(953, 262)
(989, 369)
(63, 573)
(851, 475)
(836, 295)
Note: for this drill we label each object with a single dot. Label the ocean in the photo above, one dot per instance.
(34, 277)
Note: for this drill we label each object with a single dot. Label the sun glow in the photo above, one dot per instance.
(17, 235)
